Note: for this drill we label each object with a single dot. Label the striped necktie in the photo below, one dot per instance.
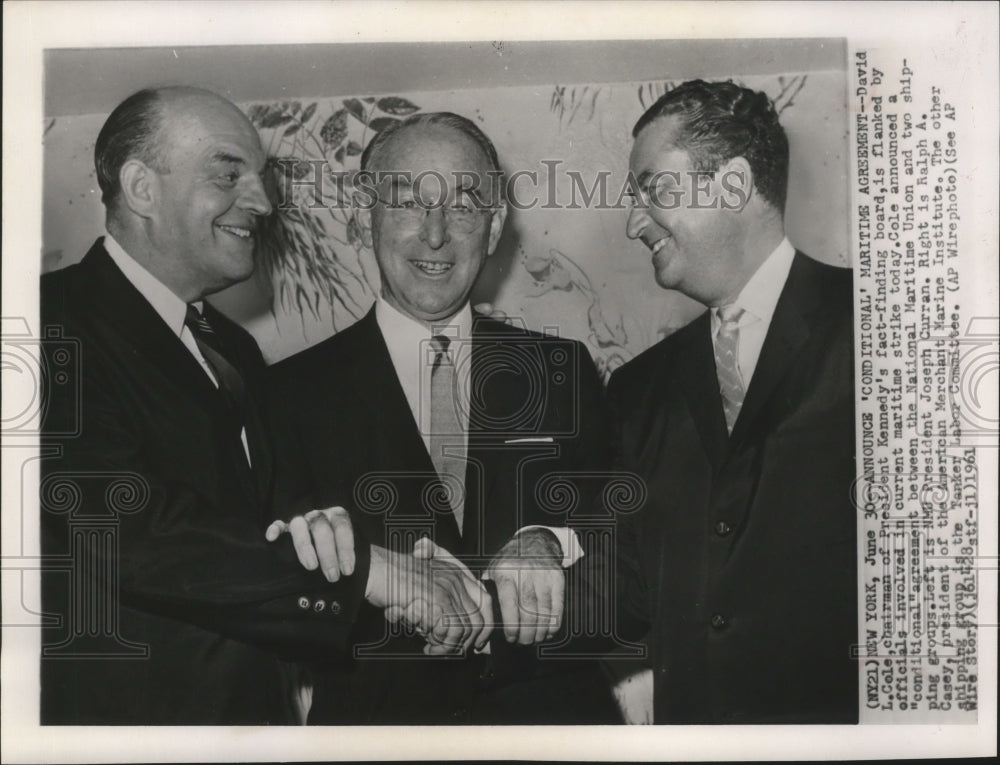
(226, 375)
(727, 366)
(447, 441)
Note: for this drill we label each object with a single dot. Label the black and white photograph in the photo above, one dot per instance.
(368, 373)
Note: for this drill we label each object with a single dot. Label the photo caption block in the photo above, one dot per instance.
(920, 359)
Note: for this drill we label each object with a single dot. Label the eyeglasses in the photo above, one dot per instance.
(460, 218)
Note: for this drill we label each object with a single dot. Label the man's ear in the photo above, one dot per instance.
(140, 187)
(735, 184)
(496, 227)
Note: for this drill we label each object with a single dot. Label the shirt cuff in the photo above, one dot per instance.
(568, 540)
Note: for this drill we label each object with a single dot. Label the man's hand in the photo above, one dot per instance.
(321, 538)
(433, 593)
(530, 585)
(491, 311)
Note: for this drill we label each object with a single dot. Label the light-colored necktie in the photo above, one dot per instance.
(447, 441)
(727, 363)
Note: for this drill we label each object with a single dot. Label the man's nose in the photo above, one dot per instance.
(434, 230)
(254, 197)
(637, 220)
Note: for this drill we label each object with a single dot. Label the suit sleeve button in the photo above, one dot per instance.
(719, 621)
(304, 602)
(335, 607)
(319, 605)
(723, 529)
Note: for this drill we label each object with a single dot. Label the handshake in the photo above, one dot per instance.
(433, 593)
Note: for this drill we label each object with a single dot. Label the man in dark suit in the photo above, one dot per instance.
(425, 419)
(165, 605)
(740, 568)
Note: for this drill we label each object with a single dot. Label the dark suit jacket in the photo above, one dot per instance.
(741, 565)
(168, 606)
(345, 435)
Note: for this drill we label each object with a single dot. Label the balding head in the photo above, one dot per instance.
(180, 169)
(134, 130)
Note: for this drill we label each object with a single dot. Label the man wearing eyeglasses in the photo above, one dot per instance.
(427, 420)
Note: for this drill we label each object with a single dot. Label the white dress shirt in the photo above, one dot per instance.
(412, 357)
(758, 299)
(167, 305)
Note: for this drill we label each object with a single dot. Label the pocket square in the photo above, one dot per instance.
(530, 440)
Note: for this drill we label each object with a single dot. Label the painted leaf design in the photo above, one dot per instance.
(599, 327)
(292, 129)
(274, 117)
(353, 148)
(309, 112)
(560, 277)
(368, 100)
(539, 267)
(256, 112)
(381, 123)
(356, 109)
(302, 169)
(353, 233)
(396, 105)
(334, 130)
(339, 156)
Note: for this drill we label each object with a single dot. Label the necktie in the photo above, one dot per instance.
(447, 439)
(229, 379)
(727, 346)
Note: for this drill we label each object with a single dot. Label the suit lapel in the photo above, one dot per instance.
(260, 450)
(481, 468)
(699, 382)
(380, 393)
(136, 323)
(790, 327)
(147, 339)
(249, 368)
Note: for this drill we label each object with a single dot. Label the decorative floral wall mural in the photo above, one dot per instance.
(558, 271)
(310, 247)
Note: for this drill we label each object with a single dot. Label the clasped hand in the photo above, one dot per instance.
(531, 585)
(435, 594)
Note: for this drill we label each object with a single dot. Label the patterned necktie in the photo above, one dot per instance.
(230, 381)
(727, 366)
(447, 441)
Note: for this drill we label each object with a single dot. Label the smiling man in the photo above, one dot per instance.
(425, 419)
(740, 569)
(167, 605)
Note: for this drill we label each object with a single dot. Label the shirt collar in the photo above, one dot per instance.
(396, 324)
(403, 334)
(759, 296)
(167, 305)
